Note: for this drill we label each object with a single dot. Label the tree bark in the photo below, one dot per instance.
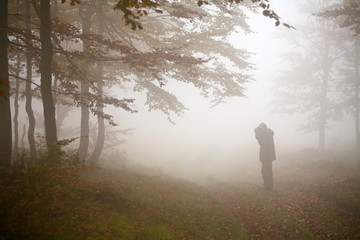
(84, 88)
(94, 158)
(5, 119)
(16, 107)
(45, 70)
(28, 92)
(101, 123)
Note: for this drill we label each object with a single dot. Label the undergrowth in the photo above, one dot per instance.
(76, 201)
(66, 202)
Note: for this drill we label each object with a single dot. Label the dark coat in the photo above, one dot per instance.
(266, 141)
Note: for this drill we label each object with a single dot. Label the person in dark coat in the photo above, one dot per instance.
(267, 154)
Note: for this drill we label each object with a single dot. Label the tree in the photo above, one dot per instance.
(149, 54)
(347, 16)
(100, 140)
(45, 70)
(85, 15)
(16, 104)
(142, 7)
(356, 94)
(348, 12)
(17, 94)
(28, 91)
(5, 120)
(348, 87)
(218, 69)
(305, 86)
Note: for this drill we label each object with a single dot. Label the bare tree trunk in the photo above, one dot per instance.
(55, 87)
(101, 124)
(5, 119)
(324, 91)
(357, 107)
(86, 16)
(45, 70)
(100, 108)
(16, 107)
(62, 111)
(59, 113)
(84, 128)
(22, 142)
(28, 92)
(16, 100)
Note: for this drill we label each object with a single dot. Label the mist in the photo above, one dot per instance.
(218, 141)
(162, 119)
(215, 141)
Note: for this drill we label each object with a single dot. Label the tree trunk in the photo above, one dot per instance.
(16, 106)
(22, 142)
(101, 124)
(357, 110)
(28, 92)
(324, 91)
(84, 88)
(84, 128)
(45, 70)
(5, 119)
(100, 108)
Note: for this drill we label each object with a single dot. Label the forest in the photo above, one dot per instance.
(155, 119)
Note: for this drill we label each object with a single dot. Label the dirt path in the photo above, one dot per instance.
(287, 214)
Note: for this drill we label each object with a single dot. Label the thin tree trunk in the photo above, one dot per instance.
(62, 112)
(16, 107)
(324, 91)
(357, 107)
(22, 142)
(16, 100)
(84, 128)
(5, 119)
(100, 108)
(45, 70)
(55, 87)
(28, 92)
(59, 119)
(101, 124)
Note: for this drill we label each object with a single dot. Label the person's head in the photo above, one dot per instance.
(262, 125)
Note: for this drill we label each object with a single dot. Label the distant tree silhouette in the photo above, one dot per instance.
(306, 86)
(347, 15)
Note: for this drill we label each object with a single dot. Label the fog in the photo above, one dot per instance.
(217, 142)
(176, 119)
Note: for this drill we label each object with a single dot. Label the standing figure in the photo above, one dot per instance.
(265, 138)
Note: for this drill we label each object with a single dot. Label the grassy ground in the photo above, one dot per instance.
(313, 200)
